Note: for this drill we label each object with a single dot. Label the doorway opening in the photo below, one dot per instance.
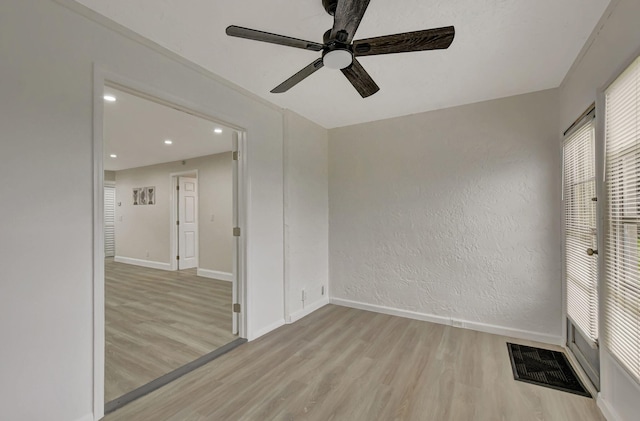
(169, 262)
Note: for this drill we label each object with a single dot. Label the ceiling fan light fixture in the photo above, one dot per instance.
(338, 59)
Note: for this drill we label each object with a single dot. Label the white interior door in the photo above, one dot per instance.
(187, 223)
(109, 221)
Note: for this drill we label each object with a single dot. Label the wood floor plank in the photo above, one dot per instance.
(157, 321)
(347, 364)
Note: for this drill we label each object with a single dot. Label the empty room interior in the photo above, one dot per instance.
(320, 210)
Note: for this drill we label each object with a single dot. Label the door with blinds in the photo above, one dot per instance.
(109, 221)
(580, 245)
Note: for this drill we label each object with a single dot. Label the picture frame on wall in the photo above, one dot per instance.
(136, 196)
(150, 194)
(142, 195)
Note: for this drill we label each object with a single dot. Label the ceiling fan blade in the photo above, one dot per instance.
(240, 32)
(298, 77)
(360, 79)
(347, 18)
(430, 39)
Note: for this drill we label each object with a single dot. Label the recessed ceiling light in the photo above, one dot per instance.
(217, 130)
(113, 155)
(110, 98)
(168, 142)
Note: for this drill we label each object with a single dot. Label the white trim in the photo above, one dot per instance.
(294, 317)
(144, 263)
(98, 245)
(391, 311)
(214, 274)
(265, 330)
(609, 413)
(477, 326)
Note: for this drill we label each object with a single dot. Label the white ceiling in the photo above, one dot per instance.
(135, 130)
(502, 48)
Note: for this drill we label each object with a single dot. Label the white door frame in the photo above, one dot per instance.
(173, 216)
(102, 78)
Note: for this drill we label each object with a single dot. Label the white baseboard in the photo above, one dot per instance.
(252, 336)
(143, 263)
(391, 311)
(609, 413)
(480, 327)
(214, 274)
(308, 309)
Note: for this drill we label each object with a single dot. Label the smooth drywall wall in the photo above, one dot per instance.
(110, 176)
(306, 215)
(615, 43)
(48, 56)
(143, 232)
(452, 214)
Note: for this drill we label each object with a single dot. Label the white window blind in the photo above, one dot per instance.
(581, 270)
(622, 136)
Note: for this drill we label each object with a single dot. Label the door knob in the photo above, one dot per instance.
(591, 251)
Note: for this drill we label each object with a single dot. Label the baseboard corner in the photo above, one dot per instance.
(317, 305)
(252, 336)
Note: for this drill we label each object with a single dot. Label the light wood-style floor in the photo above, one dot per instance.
(157, 321)
(347, 364)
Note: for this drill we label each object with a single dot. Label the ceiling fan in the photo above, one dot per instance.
(339, 51)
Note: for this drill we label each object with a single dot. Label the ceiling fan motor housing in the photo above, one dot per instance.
(330, 6)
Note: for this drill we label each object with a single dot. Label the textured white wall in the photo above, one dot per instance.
(147, 228)
(452, 213)
(48, 53)
(306, 215)
(616, 43)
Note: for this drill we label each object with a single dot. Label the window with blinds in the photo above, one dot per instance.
(580, 234)
(622, 283)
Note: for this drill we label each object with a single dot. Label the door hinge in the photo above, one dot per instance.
(236, 308)
(236, 155)
(177, 257)
(236, 232)
(177, 222)
(178, 187)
